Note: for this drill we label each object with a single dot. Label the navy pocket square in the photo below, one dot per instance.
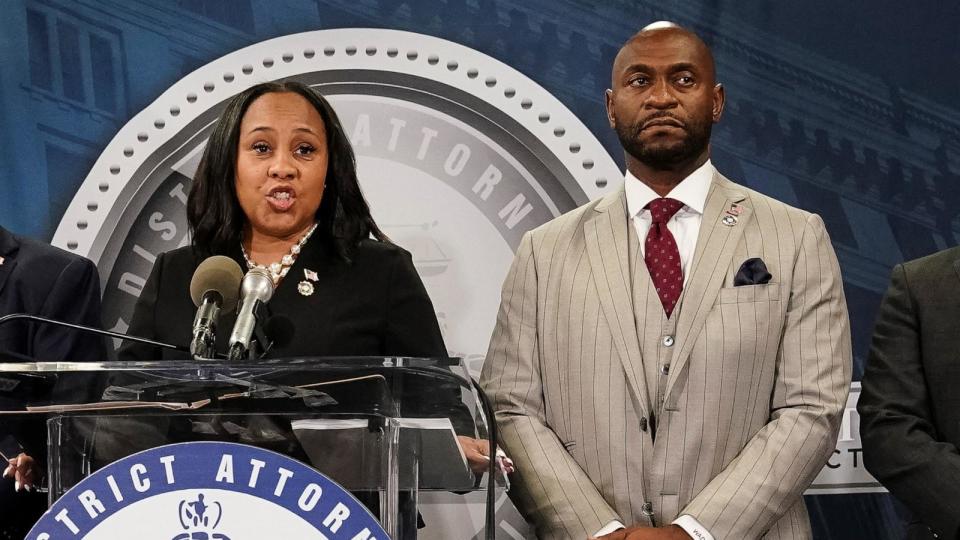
(752, 272)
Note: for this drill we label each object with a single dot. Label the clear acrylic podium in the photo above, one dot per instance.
(383, 428)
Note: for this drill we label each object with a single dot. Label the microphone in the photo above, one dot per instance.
(213, 288)
(255, 291)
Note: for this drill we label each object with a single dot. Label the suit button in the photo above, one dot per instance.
(665, 369)
(643, 423)
(668, 341)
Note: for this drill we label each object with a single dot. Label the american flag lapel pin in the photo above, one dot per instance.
(305, 287)
(730, 219)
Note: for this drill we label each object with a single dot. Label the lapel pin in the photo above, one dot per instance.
(735, 210)
(310, 275)
(305, 288)
(729, 221)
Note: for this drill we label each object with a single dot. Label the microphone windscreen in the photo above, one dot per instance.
(220, 274)
(279, 330)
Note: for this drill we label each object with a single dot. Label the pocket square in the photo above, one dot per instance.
(752, 272)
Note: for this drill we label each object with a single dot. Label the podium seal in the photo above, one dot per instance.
(207, 491)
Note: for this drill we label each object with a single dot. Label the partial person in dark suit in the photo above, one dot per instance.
(39, 279)
(909, 406)
(277, 188)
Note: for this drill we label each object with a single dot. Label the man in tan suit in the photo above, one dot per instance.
(672, 360)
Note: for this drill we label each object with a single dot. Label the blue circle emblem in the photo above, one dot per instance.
(208, 491)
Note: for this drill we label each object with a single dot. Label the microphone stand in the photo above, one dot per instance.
(108, 333)
(260, 344)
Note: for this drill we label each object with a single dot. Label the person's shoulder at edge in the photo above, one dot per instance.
(44, 258)
(943, 257)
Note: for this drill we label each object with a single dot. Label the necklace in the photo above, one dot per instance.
(278, 270)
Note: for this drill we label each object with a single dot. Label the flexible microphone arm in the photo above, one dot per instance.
(108, 333)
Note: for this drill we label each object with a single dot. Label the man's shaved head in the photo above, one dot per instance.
(664, 98)
(663, 28)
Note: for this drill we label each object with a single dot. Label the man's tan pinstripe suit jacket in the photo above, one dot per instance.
(728, 422)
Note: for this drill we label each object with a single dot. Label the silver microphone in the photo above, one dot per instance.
(213, 288)
(256, 288)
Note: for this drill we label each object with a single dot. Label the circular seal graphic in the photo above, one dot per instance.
(457, 153)
(208, 490)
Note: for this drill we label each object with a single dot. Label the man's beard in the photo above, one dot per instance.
(665, 156)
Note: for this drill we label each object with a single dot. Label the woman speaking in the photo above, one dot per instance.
(277, 188)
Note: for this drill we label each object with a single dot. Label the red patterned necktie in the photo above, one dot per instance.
(661, 253)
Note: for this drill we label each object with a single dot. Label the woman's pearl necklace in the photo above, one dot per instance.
(278, 270)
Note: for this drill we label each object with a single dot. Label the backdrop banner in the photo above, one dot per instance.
(474, 121)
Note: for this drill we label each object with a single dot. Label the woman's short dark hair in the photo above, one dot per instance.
(213, 210)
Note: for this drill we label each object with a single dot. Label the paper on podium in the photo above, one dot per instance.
(306, 391)
(350, 453)
(110, 406)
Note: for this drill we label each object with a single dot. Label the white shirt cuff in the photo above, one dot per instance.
(693, 527)
(609, 528)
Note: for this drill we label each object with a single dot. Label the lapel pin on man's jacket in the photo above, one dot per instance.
(731, 218)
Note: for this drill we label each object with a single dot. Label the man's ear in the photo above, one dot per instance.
(719, 100)
(611, 116)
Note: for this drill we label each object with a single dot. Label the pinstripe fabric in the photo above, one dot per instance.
(747, 412)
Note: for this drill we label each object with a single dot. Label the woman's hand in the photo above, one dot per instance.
(23, 470)
(478, 455)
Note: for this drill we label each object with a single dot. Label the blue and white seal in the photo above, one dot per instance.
(209, 491)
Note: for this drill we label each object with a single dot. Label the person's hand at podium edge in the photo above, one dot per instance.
(23, 470)
(670, 532)
(477, 452)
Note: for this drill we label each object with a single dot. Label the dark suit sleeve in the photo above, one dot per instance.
(411, 323)
(411, 329)
(74, 297)
(900, 443)
(144, 322)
